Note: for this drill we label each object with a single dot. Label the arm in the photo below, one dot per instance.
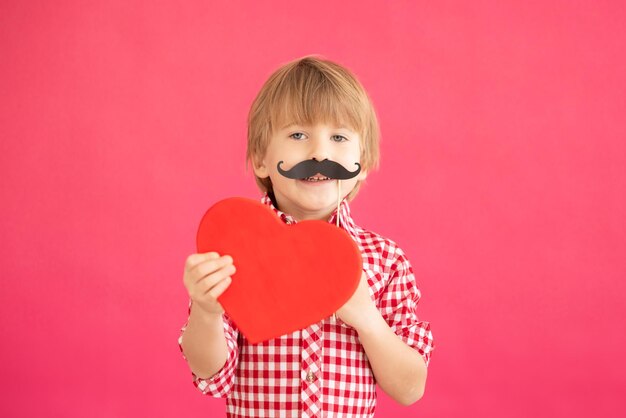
(218, 381)
(400, 370)
(204, 343)
(208, 341)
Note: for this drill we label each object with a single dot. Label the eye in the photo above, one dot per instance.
(339, 138)
(297, 135)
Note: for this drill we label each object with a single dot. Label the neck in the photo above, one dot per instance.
(302, 214)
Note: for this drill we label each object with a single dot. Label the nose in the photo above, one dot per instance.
(319, 149)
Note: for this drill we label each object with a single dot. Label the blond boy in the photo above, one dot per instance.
(311, 111)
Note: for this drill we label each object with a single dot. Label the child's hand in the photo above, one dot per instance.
(206, 277)
(358, 310)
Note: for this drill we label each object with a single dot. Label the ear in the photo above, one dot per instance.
(260, 168)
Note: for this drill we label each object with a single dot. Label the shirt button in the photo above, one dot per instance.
(310, 377)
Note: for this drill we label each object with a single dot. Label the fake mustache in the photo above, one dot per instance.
(326, 167)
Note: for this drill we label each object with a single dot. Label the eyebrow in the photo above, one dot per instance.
(289, 125)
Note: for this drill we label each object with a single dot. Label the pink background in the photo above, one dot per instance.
(502, 176)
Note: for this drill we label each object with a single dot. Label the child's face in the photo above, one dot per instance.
(305, 199)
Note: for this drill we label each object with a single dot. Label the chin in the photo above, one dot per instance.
(318, 203)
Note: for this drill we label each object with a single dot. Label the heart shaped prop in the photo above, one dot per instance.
(288, 276)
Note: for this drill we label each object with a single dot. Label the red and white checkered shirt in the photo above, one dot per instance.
(322, 370)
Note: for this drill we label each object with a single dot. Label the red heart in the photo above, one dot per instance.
(288, 276)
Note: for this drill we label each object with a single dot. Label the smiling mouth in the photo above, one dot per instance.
(315, 178)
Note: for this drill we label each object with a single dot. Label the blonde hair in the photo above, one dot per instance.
(312, 90)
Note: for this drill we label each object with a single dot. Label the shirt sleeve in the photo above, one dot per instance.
(398, 305)
(220, 384)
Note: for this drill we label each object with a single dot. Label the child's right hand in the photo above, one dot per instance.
(207, 276)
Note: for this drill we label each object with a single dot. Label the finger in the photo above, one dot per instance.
(210, 266)
(220, 288)
(206, 268)
(194, 259)
(213, 279)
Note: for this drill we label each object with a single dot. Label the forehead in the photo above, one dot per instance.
(311, 104)
(338, 126)
(290, 113)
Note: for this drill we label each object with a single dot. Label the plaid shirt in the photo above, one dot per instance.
(322, 370)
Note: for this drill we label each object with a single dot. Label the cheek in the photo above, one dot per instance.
(353, 154)
(349, 162)
(348, 155)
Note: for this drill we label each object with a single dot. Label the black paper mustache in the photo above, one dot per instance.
(326, 167)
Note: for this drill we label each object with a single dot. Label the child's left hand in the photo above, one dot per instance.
(358, 310)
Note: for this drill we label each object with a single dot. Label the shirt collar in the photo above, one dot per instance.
(345, 219)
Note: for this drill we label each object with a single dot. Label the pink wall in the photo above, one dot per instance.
(503, 177)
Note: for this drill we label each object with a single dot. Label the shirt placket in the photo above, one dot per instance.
(311, 371)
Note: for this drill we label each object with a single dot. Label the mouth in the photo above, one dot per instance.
(316, 178)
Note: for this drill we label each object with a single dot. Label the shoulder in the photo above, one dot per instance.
(380, 249)
(383, 259)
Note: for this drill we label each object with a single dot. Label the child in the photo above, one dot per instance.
(312, 120)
